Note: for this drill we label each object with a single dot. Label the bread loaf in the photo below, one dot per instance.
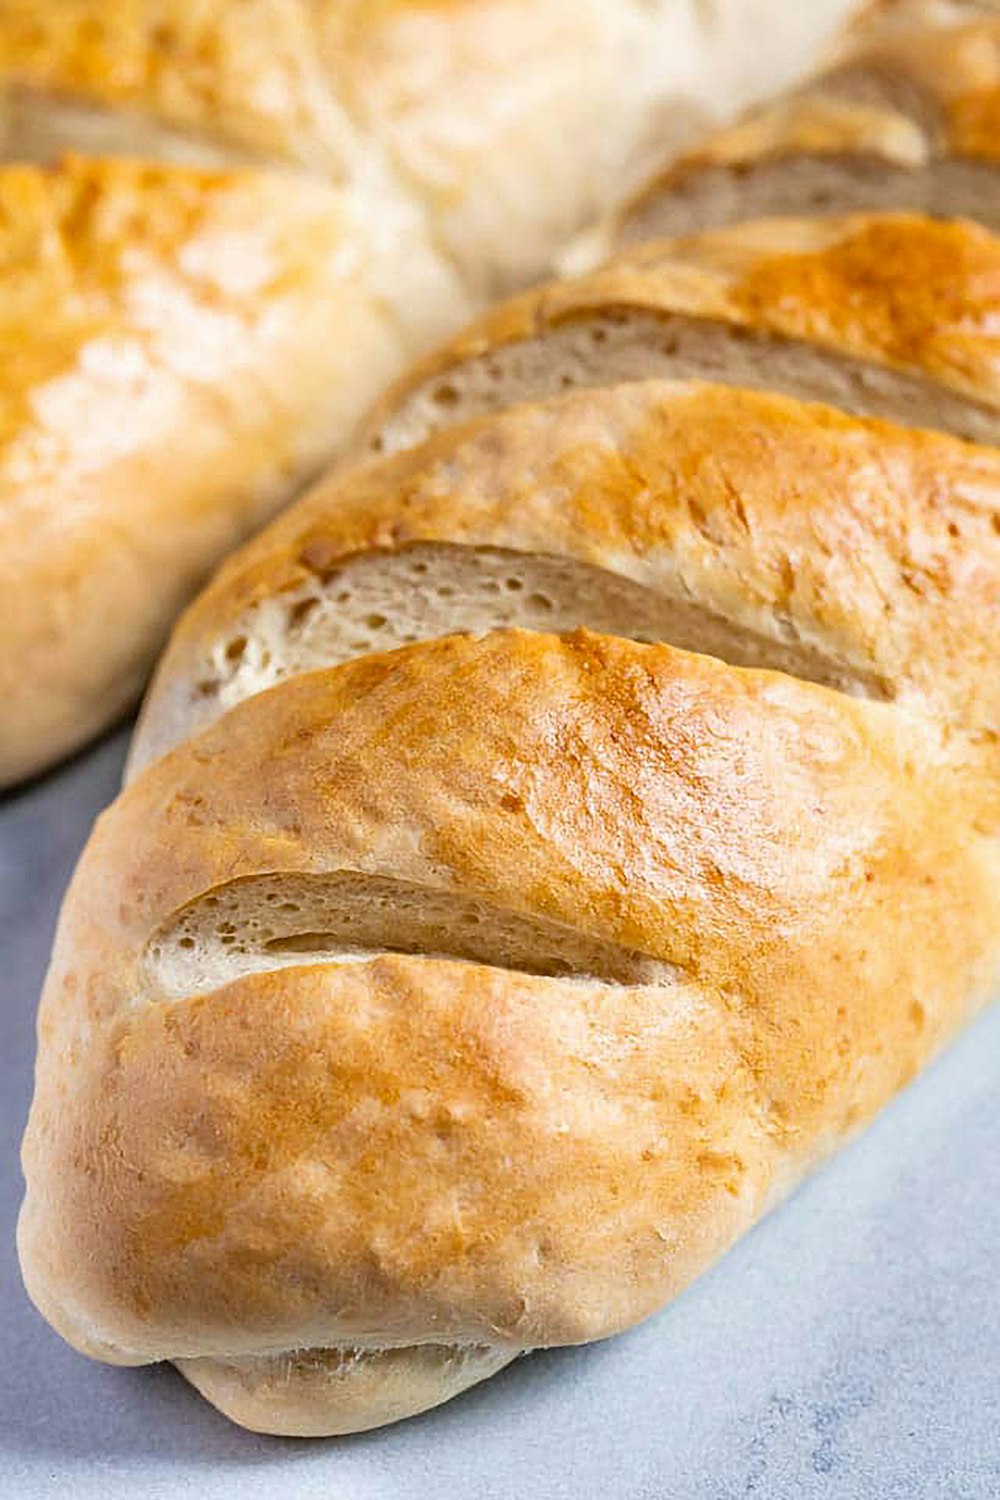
(284, 201)
(510, 973)
(547, 841)
(470, 998)
(511, 123)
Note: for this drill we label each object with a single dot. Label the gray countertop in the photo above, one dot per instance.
(848, 1348)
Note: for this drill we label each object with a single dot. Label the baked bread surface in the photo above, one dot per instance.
(550, 839)
(772, 532)
(889, 315)
(504, 120)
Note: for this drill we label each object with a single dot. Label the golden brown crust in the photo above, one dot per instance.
(176, 351)
(876, 548)
(792, 853)
(914, 293)
(956, 70)
(287, 80)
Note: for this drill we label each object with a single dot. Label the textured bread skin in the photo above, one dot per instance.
(906, 114)
(447, 150)
(893, 292)
(243, 78)
(180, 347)
(869, 555)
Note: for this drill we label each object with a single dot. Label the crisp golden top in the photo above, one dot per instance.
(958, 70)
(901, 290)
(876, 547)
(502, 121)
(904, 290)
(945, 79)
(974, 124)
(914, 87)
(917, 293)
(320, 83)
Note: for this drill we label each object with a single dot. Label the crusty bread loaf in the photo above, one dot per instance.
(546, 842)
(906, 115)
(386, 164)
(477, 995)
(510, 974)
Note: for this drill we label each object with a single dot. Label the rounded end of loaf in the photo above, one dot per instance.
(335, 1392)
(50, 1292)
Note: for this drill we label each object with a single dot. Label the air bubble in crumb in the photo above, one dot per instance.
(299, 613)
